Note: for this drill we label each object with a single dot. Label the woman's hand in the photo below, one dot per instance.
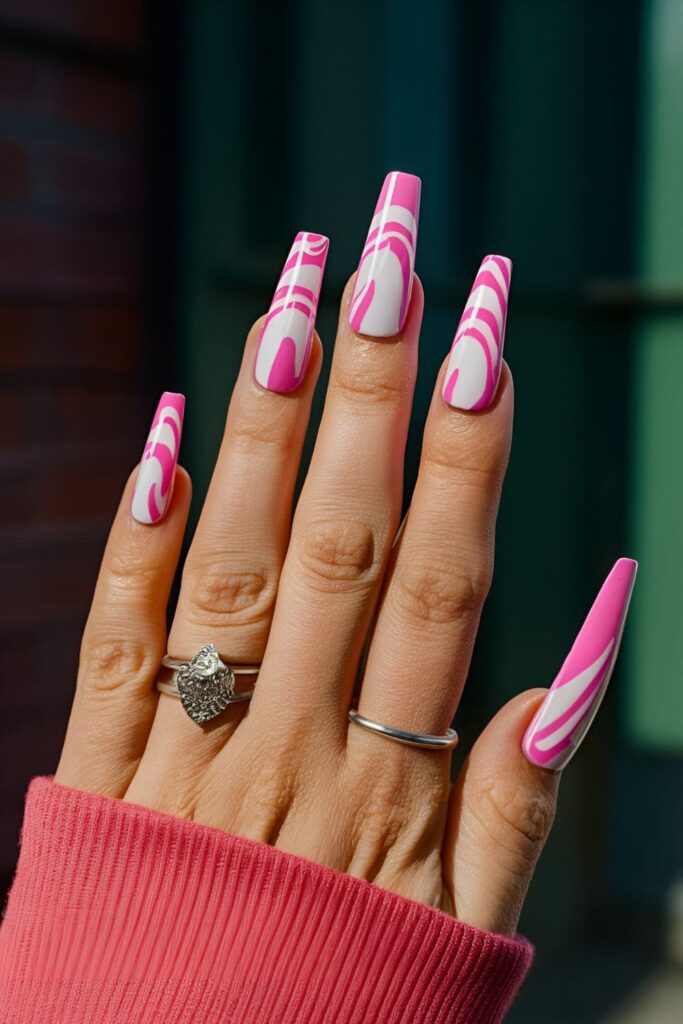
(289, 768)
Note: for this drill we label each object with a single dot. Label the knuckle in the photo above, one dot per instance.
(384, 810)
(468, 448)
(274, 429)
(383, 823)
(529, 813)
(370, 385)
(247, 596)
(261, 805)
(337, 554)
(394, 813)
(434, 595)
(447, 462)
(130, 576)
(110, 664)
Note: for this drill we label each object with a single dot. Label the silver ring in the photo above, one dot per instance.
(205, 684)
(412, 739)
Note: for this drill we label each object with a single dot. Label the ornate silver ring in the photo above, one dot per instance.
(205, 684)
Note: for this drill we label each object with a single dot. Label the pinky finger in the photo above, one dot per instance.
(125, 635)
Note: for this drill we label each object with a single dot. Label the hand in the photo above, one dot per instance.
(289, 768)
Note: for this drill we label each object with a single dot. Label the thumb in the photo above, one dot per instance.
(503, 804)
(501, 811)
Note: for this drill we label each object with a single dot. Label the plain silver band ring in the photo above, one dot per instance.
(412, 739)
(237, 670)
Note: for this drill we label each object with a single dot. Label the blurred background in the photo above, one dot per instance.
(156, 160)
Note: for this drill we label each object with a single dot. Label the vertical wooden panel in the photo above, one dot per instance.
(655, 716)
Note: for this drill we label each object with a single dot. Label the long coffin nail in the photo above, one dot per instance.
(476, 357)
(568, 710)
(385, 273)
(154, 484)
(284, 347)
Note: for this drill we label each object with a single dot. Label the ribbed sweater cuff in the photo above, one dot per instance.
(119, 913)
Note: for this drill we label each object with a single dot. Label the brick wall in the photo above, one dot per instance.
(75, 393)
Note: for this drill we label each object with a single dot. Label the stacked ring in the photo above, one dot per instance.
(205, 684)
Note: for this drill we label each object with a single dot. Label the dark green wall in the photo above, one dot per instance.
(523, 118)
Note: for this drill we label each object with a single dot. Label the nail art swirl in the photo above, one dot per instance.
(476, 357)
(571, 703)
(154, 483)
(285, 344)
(385, 273)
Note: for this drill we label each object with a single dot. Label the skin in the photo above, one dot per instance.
(301, 595)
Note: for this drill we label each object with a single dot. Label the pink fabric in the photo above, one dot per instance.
(120, 914)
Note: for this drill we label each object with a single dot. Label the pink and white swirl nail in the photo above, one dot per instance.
(384, 281)
(154, 484)
(473, 369)
(568, 710)
(284, 347)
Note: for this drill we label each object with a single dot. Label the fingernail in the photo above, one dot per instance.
(568, 710)
(154, 484)
(284, 347)
(476, 357)
(385, 273)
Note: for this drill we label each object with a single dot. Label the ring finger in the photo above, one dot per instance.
(232, 569)
(427, 624)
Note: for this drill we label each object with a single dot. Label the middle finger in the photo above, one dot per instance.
(349, 508)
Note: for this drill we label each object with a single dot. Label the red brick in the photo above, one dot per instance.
(57, 259)
(22, 82)
(104, 337)
(35, 712)
(112, 333)
(14, 171)
(58, 414)
(91, 183)
(101, 101)
(46, 662)
(122, 23)
(52, 92)
(117, 24)
(60, 650)
(71, 418)
(82, 489)
(49, 583)
(18, 418)
(19, 659)
(86, 494)
(31, 747)
(104, 414)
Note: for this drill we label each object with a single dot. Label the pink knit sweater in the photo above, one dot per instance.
(120, 914)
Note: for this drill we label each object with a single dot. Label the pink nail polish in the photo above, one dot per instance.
(473, 369)
(154, 484)
(568, 710)
(284, 347)
(385, 273)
